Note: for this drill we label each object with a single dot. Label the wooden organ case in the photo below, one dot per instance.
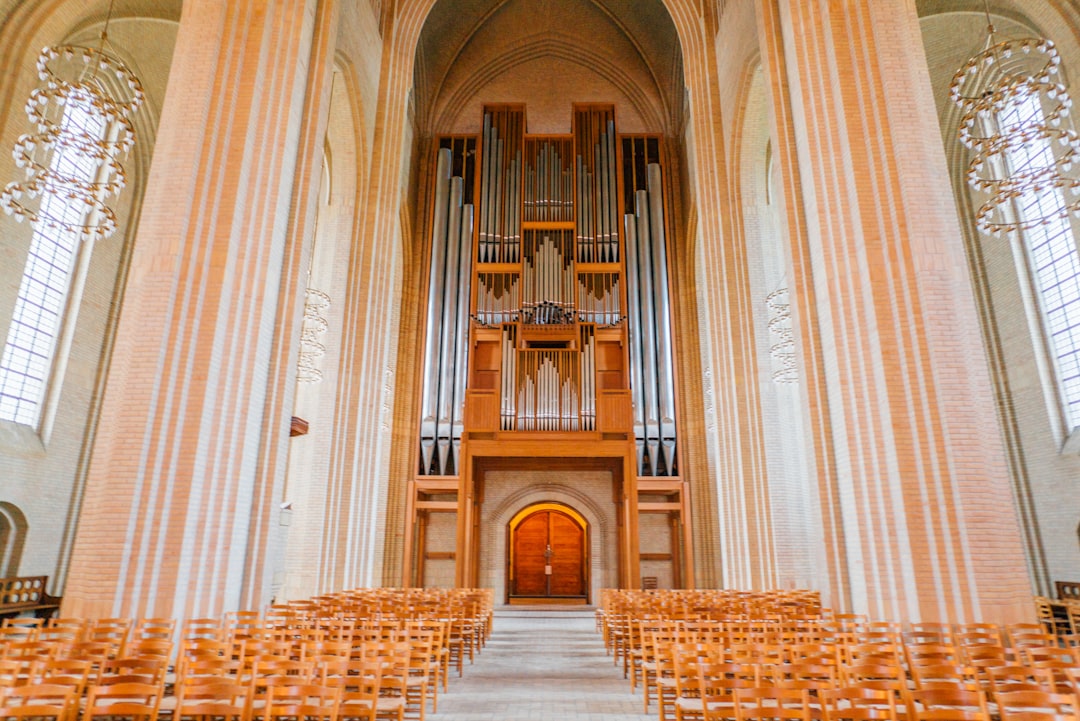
(547, 340)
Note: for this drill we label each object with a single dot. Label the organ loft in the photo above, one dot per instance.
(548, 349)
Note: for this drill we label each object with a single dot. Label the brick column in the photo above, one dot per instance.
(928, 527)
(200, 386)
(728, 484)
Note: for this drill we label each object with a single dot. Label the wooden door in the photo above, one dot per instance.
(549, 556)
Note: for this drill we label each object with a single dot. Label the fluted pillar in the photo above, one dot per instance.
(181, 486)
(927, 525)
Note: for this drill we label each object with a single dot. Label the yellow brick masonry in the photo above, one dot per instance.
(173, 480)
(929, 529)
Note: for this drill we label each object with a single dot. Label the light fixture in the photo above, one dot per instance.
(75, 163)
(1013, 107)
(779, 324)
(312, 327)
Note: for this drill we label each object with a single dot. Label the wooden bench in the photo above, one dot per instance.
(1068, 590)
(26, 594)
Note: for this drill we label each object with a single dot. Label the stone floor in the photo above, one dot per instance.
(542, 665)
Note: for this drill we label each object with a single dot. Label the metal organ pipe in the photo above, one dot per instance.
(435, 293)
(651, 353)
(446, 337)
(637, 376)
(663, 317)
(648, 331)
(449, 325)
(461, 349)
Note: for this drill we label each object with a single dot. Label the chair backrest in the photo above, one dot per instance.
(33, 701)
(218, 698)
(771, 704)
(940, 704)
(854, 703)
(307, 701)
(134, 701)
(1036, 706)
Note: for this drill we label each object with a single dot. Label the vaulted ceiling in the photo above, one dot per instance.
(548, 54)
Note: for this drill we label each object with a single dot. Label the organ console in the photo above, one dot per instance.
(546, 313)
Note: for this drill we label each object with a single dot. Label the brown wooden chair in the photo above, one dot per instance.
(206, 699)
(39, 701)
(310, 702)
(944, 704)
(1037, 706)
(133, 701)
(771, 704)
(717, 683)
(858, 704)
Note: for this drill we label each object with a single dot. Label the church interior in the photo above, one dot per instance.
(544, 297)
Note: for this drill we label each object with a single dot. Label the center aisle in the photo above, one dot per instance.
(541, 665)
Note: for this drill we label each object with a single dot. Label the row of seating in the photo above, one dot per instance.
(762, 657)
(368, 653)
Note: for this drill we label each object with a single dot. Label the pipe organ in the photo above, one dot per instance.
(552, 270)
(548, 318)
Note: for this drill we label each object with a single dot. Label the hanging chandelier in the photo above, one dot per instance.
(311, 329)
(81, 111)
(779, 324)
(1013, 108)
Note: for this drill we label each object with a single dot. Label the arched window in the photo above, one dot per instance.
(38, 319)
(1051, 251)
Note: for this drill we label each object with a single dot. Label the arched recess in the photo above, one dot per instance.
(1041, 472)
(329, 510)
(786, 513)
(547, 488)
(13, 528)
(548, 553)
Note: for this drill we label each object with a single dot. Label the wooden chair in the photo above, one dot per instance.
(809, 677)
(946, 676)
(359, 683)
(310, 702)
(203, 628)
(133, 701)
(418, 683)
(858, 704)
(929, 632)
(39, 701)
(1009, 679)
(1053, 615)
(154, 629)
(63, 672)
(931, 654)
(717, 683)
(10, 673)
(394, 681)
(941, 704)
(771, 704)
(132, 670)
(1037, 706)
(203, 699)
(979, 634)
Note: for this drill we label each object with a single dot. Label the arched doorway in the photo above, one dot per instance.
(548, 555)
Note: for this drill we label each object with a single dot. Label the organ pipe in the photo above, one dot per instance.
(651, 357)
(445, 342)
(435, 293)
(664, 355)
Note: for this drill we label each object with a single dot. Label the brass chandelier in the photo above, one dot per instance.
(1014, 106)
(75, 162)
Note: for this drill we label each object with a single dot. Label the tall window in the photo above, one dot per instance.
(1053, 256)
(37, 321)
